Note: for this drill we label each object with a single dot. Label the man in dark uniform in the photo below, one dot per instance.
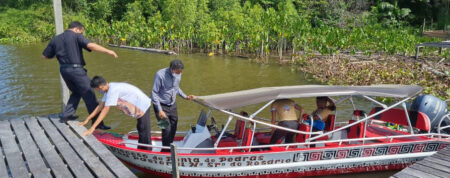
(67, 47)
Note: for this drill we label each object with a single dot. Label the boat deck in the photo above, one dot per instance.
(437, 165)
(44, 147)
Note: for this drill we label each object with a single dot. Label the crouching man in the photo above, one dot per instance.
(127, 98)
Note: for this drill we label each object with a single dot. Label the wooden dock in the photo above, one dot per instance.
(44, 147)
(437, 165)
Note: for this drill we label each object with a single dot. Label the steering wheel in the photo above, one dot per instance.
(213, 125)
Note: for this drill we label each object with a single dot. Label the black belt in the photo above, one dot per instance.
(71, 66)
(162, 104)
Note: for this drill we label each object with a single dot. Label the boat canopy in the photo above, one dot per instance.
(253, 96)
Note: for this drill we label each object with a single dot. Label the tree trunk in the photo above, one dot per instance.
(280, 47)
(262, 49)
(293, 50)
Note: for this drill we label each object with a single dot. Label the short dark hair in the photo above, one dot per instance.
(75, 24)
(176, 64)
(97, 81)
(321, 98)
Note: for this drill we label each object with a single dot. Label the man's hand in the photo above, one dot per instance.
(112, 53)
(162, 115)
(84, 122)
(88, 132)
(190, 97)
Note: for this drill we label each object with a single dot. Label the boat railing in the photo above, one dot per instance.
(185, 132)
(306, 144)
(446, 116)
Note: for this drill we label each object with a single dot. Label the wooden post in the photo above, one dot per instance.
(423, 26)
(57, 9)
(174, 154)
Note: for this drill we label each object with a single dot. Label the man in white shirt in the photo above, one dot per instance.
(127, 98)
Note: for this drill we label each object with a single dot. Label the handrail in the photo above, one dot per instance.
(432, 135)
(375, 101)
(223, 131)
(267, 124)
(358, 121)
(440, 122)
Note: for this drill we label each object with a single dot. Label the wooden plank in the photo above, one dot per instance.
(418, 173)
(32, 156)
(85, 153)
(58, 168)
(105, 155)
(12, 152)
(435, 166)
(438, 156)
(404, 174)
(429, 170)
(3, 169)
(73, 161)
(443, 153)
(438, 161)
(446, 150)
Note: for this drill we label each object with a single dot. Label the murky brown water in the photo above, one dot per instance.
(29, 85)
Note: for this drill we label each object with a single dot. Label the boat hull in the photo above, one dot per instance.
(281, 163)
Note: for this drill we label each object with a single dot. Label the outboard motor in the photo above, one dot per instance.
(433, 107)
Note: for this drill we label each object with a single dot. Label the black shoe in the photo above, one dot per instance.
(103, 127)
(70, 118)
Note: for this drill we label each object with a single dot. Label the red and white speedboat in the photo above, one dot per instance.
(361, 143)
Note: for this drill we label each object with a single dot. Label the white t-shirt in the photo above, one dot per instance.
(128, 98)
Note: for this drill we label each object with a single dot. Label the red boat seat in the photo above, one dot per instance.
(329, 123)
(302, 137)
(239, 129)
(419, 120)
(355, 131)
(263, 138)
(247, 139)
(227, 142)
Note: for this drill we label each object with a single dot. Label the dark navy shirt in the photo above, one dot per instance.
(67, 47)
(165, 88)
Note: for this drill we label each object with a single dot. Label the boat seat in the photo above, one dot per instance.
(419, 120)
(302, 137)
(382, 131)
(329, 123)
(226, 142)
(239, 129)
(355, 131)
(263, 138)
(247, 139)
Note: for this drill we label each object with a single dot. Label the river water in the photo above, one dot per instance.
(29, 85)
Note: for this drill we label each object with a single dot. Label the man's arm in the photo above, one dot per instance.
(100, 118)
(49, 51)
(331, 105)
(181, 93)
(98, 48)
(299, 108)
(184, 96)
(93, 114)
(155, 90)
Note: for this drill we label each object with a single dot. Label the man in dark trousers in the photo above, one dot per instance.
(67, 47)
(166, 86)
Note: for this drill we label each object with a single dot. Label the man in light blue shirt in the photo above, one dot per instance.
(166, 86)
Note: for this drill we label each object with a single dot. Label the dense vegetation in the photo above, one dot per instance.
(233, 26)
(300, 29)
